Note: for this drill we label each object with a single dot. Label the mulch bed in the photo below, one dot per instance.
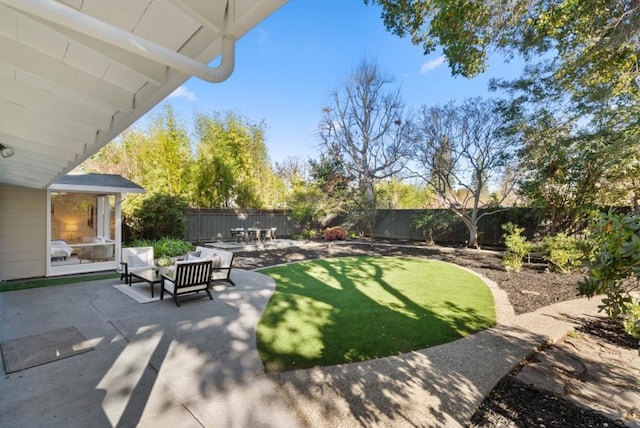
(511, 403)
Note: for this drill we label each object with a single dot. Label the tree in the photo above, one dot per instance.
(459, 152)
(121, 156)
(364, 126)
(232, 167)
(158, 160)
(573, 162)
(596, 41)
(166, 156)
(397, 194)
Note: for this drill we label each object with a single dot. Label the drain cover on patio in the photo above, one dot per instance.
(26, 352)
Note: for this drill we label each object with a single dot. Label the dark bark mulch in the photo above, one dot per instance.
(515, 404)
(511, 403)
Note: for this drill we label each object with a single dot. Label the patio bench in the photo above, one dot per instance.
(187, 277)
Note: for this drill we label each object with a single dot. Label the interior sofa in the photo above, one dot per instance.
(98, 250)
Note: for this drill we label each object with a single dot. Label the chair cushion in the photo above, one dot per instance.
(170, 286)
(216, 259)
(225, 256)
(138, 257)
(136, 261)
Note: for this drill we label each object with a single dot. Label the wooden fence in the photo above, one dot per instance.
(205, 225)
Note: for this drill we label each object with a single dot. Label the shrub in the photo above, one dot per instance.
(156, 215)
(632, 322)
(335, 233)
(517, 247)
(429, 221)
(165, 247)
(613, 268)
(563, 253)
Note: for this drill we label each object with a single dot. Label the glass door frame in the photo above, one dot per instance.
(102, 225)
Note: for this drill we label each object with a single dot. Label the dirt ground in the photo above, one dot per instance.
(530, 396)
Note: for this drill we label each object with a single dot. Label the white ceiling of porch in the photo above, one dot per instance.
(65, 94)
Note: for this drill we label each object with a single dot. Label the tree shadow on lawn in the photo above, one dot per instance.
(346, 310)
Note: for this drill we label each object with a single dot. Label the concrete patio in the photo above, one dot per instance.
(154, 364)
(157, 365)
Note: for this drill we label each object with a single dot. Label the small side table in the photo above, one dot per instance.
(150, 276)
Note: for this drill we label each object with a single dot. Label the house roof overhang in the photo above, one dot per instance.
(95, 183)
(75, 73)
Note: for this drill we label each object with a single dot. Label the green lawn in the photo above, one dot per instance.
(358, 308)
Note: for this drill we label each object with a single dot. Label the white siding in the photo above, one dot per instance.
(23, 232)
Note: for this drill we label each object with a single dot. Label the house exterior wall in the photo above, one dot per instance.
(23, 226)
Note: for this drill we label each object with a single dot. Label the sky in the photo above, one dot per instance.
(288, 64)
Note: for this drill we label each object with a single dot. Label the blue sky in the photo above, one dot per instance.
(288, 64)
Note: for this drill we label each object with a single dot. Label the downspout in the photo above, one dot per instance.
(66, 16)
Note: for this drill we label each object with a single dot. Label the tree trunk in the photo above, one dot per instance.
(473, 236)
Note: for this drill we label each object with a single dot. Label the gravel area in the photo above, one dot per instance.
(511, 403)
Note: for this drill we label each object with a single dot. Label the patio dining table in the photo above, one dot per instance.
(253, 234)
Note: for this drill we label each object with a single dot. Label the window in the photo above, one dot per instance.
(82, 228)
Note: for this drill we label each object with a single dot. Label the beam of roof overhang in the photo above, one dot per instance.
(69, 17)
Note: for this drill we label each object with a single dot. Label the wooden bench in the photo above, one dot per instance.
(187, 277)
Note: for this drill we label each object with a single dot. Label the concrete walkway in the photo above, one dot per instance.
(158, 365)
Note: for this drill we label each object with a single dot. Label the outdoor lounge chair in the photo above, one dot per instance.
(222, 262)
(187, 277)
(135, 259)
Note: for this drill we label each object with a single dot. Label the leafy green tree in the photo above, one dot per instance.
(561, 173)
(584, 85)
(290, 177)
(121, 156)
(232, 167)
(397, 194)
(329, 174)
(166, 156)
(158, 160)
(364, 126)
(596, 42)
(573, 163)
(459, 150)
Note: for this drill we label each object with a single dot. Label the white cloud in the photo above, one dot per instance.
(183, 92)
(433, 64)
